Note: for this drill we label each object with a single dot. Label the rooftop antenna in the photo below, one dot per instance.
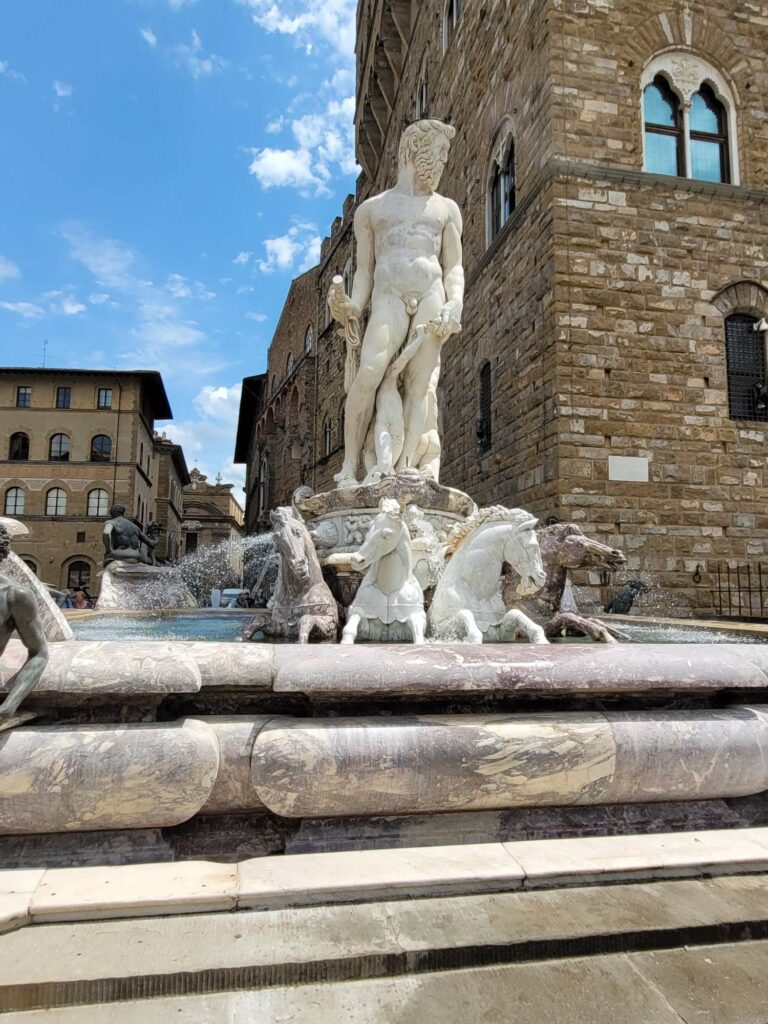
(45, 350)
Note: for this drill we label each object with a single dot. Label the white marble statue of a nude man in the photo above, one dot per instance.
(409, 267)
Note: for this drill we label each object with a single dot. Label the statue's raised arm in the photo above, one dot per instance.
(409, 269)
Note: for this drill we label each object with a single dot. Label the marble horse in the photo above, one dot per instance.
(468, 599)
(389, 592)
(564, 547)
(303, 604)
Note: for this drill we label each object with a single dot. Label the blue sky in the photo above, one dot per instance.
(166, 168)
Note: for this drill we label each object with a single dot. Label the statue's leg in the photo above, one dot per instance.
(386, 331)
(418, 377)
(417, 624)
(306, 622)
(515, 622)
(580, 624)
(349, 634)
(473, 632)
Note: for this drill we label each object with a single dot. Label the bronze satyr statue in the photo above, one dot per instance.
(123, 539)
(18, 612)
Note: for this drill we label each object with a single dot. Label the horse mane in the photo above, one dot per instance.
(485, 517)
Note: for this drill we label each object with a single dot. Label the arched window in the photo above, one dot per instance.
(485, 396)
(18, 448)
(30, 565)
(327, 437)
(289, 366)
(745, 357)
(664, 141)
(309, 339)
(56, 502)
(689, 121)
(14, 501)
(58, 450)
(451, 19)
(101, 448)
(98, 502)
(502, 187)
(422, 91)
(263, 483)
(709, 137)
(78, 575)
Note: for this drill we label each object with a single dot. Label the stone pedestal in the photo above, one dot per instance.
(131, 586)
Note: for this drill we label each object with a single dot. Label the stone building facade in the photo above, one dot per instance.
(74, 443)
(611, 165)
(172, 477)
(212, 514)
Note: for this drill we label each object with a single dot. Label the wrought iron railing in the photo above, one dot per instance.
(741, 591)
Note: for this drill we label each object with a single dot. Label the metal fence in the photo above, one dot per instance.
(741, 591)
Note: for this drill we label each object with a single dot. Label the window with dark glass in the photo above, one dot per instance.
(484, 434)
(452, 17)
(79, 575)
(709, 137)
(104, 398)
(745, 359)
(289, 365)
(56, 502)
(664, 141)
(503, 190)
(63, 398)
(30, 565)
(23, 397)
(58, 450)
(101, 448)
(190, 543)
(18, 448)
(14, 501)
(327, 437)
(308, 339)
(80, 537)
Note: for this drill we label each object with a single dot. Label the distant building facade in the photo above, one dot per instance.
(611, 164)
(172, 477)
(211, 513)
(74, 443)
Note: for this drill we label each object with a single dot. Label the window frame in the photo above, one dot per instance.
(63, 392)
(107, 404)
(79, 582)
(62, 456)
(452, 14)
(58, 491)
(502, 169)
(16, 491)
(24, 391)
(18, 458)
(677, 131)
(102, 503)
(91, 450)
(740, 391)
(484, 429)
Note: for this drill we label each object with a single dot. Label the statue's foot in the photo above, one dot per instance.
(10, 720)
(374, 477)
(345, 483)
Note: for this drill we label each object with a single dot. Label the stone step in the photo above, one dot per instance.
(149, 890)
(544, 950)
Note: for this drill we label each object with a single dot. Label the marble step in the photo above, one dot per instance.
(280, 961)
(269, 883)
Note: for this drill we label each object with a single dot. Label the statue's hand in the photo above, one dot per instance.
(342, 307)
(449, 320)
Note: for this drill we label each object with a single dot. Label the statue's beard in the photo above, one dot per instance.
(428, 167)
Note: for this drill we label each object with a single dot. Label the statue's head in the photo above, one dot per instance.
(5, 543)
(425, 145)
(116, 511)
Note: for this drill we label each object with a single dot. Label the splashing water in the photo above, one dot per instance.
(243, 563)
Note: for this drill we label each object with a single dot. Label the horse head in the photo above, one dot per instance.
(522, 552)
(384, 534)
(565, 546)
(291, 539)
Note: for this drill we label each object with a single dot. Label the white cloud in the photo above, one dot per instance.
(300, 246)
(161, 324)
(27, 310)
(276, 126)
(242, 258)
(149, 36)
(309, 21)
(8, 72)
(219, 403)
(209, 440)
(181, 288)
(325, 147)
(98, 298)
(62, 89)
(191, 56)
(8, 270)
(68, 306)
(176, 5)
(258, 317)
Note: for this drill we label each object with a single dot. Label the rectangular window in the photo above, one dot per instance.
(23, 397)
(746, 363)
(80, 537)
(191, 543)
(104, 399)
(63, 398)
